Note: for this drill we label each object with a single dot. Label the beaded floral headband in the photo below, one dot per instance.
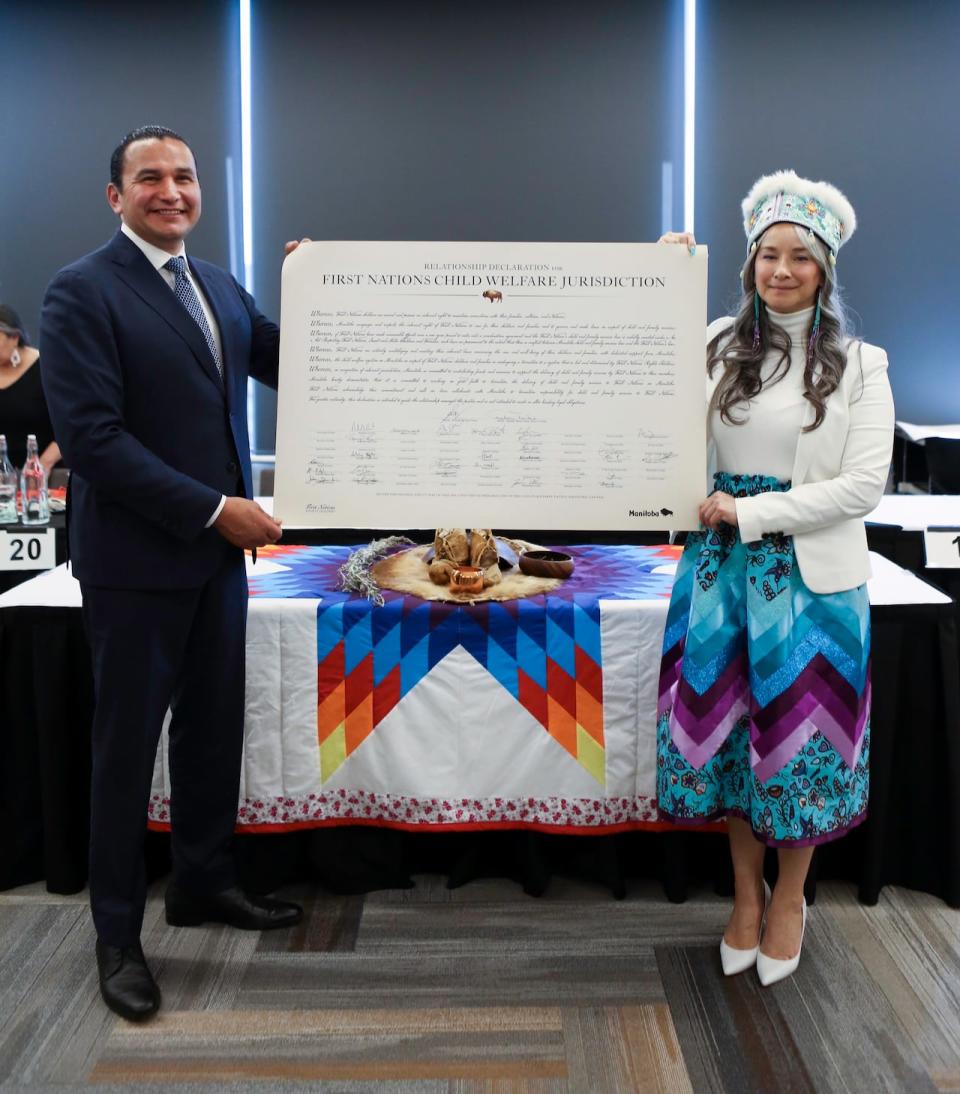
(785, 197)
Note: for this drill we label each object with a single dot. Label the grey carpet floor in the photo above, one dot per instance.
(483, 989)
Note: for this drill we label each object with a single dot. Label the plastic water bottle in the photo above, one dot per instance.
(33, 486)
(8, 486)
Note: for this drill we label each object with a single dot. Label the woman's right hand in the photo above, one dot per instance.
(680, 237)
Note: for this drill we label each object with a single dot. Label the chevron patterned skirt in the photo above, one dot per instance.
(764, 699)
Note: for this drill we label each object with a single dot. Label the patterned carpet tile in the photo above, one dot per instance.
(632, 1048)
(909, 944)
(32, 936)
(177, 1030)
(507, 1086)
(49, 985)
(486, 991)
(265, 1069)
(329, 925)
(511, 978)
(601, 1050)
(526, 927)
(292, 1085)
(200, 968)
(844, 1005)
(711, 1016)
(818, 1031)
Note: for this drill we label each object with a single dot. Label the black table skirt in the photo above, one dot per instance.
(912, 836)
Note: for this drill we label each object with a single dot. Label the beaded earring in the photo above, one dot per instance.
(814, 332)
(756, 320)
(15, 357)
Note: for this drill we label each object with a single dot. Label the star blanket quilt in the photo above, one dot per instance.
(538, 712)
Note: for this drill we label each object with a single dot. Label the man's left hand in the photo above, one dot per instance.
(244, 524)
(719, 508)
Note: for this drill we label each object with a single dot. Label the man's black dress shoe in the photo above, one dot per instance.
(126, 984)
(231, 906)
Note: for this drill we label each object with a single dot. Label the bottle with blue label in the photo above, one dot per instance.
(33, 486)
(8, 486)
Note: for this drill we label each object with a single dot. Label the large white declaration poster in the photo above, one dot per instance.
(496, 385)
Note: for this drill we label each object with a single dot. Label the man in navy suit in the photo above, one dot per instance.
(145, 358)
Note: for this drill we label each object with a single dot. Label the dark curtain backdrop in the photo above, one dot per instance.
(863, 93)
(75, 77)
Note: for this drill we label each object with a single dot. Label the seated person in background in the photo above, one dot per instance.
(23, 408)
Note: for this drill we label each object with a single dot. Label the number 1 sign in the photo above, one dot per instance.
(942, 546)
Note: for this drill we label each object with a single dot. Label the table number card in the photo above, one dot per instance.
(942, 547)
(21, 549)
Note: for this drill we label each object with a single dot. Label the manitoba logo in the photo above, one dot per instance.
(650, 512)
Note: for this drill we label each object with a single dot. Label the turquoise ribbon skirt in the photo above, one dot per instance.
(764, 698)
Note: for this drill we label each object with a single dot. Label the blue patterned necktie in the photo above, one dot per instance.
(185, 293)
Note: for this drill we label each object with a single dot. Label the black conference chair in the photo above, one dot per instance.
(943, 465)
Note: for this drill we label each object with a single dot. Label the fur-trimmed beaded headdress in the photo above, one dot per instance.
(785, 197)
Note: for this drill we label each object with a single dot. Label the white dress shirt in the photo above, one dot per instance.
(157, 258)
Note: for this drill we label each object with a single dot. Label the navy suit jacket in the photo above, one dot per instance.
(152, 435)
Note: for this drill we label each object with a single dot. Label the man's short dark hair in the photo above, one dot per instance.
(141, 133)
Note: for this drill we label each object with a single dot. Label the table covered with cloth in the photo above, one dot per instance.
(911, 837)
(537, 712)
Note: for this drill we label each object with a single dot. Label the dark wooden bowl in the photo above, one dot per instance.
(546, 564)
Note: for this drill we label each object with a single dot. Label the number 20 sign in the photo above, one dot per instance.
(22, 550)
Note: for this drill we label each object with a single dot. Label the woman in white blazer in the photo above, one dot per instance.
(763, 716)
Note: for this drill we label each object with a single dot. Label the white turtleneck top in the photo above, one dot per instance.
(766, 442)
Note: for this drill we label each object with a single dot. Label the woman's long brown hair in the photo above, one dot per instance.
(824, 367)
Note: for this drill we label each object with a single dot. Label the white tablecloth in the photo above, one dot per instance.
(456, 751)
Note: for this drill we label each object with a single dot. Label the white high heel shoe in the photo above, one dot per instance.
(734, 960)
(770, 969)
